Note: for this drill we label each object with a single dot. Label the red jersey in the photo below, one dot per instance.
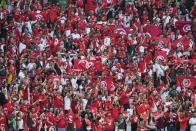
(60, 119)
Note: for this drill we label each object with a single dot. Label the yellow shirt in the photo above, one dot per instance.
(9, 79)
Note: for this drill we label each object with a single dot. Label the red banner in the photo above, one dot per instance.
(161, 55)
(162, 42)
(186, 81)
(184, 27)
(182, 43)
(83, 65)
(108, 83)
(153, 30)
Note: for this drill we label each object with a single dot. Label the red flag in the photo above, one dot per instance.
(173, 11)
(177, 61)
(76, 61)
(184, 27)
(162, 42)
(83, 64)
(153, 30)
(161, 55)
(182, 43)
(108, 83)
(186, 81)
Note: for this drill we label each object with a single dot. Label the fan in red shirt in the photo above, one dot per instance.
(78, 121)
(60, 120)
(109, 122)
(58, 101)
(50, 117)
(70, 119)
(2, 120)
(53, 14)
(183, 119)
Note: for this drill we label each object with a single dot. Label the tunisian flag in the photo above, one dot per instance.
(153, 30)
(184, 27)
(183, 42)
(186, 81)
(83, 64)
(108, 83)
(162, 42)
(161, 55)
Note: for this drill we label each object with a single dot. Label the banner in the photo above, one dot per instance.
(184, 27)
(186, 81)
(161, 55)
(162, 42)
(182, 43)
(153, 30)
(83, 64)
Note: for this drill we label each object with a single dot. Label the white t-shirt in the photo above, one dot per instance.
(159, 69)
(167, 19)
(67, 103)
(192, 121)
(164, 95)
(73, 83)
(84, 103)
(42, 46)
(30, 66)
(75, 36)
(21, 75)
(130, 111)
(22, 47)
(64, 81)
(141, 48)
(166, 106)
(20, 124)
(107, 41)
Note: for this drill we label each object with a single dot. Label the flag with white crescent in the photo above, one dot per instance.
(182, 43)
(162, 42)
(186, 81)
(152, 30)
(161, 55)
(184, 27)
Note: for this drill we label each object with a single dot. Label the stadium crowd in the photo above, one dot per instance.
(97, 65)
